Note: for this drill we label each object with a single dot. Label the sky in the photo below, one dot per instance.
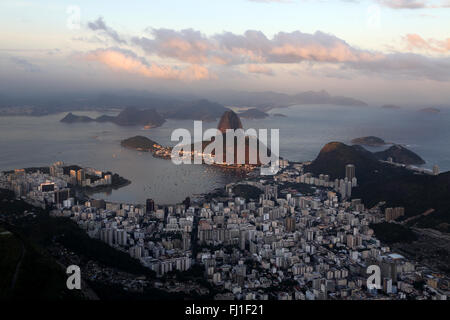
(380, 51)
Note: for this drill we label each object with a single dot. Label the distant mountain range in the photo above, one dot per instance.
(191, 110)
(268, 99)
(209, 106)
(171, 102)
(171, 106)
(253, 113)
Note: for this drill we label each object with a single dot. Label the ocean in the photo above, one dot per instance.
(39, 141)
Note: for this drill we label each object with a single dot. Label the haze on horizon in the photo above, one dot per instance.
(379, 51)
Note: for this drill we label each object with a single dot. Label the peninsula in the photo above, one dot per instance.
(400, 154)
(141, 143)
(229, 120)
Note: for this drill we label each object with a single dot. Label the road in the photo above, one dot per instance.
(16, 272)
(85, 289)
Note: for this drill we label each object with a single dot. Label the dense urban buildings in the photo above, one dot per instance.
(283, 243)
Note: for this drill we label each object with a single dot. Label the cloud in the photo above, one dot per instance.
(320, 47)
(186, 45)
(123, 60)
(413, 4)
(406, 66)
(251, 47)
(25, 65)
(415, 41)
(270, 1)
(256, 52)
(403, 4)
(393, 4)
(100, 25)
(260, 69)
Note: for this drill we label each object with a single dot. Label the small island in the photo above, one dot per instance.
(72, 118)
(279, 115)
(128, 117)
(430, 110)
(370, 141)
(391, 106)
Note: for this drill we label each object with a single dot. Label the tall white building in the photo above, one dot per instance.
(436, 170)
